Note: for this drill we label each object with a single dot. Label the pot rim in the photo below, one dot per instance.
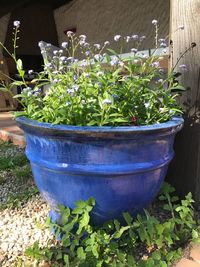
(175, 122)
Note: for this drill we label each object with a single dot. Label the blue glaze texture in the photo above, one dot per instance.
(121, 167)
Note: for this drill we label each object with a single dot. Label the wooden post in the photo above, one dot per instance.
(184, 172)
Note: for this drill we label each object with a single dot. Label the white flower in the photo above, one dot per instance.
(162, 110)
(142, 38)
(40, 44)
(135, 37)
(117, 37)
(134, 50)
(64, 45)
(55, 52)
(63, 58)
(127, 38)
(82, 37)
(106, 43)
(97, 46)
(121, 63)
(97, 56)
(99, 73)
(147, 105)
(82, 42)
(154, 22)
(16, 23)
(69, 33)
(30, 72)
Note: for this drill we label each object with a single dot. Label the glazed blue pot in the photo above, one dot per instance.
(121, 167)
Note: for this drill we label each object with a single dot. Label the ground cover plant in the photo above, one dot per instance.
(146, 241)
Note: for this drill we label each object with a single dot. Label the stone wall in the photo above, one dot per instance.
(101, 20)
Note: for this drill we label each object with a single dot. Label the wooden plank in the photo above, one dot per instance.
(184, 172)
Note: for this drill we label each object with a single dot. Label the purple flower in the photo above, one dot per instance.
(155, 64)
(163, 45)
(97, 56)
(70, 92)
(106, 102)
(161, 40)
(183, 67)
(87, 53)
(16, 23)
(114, 61)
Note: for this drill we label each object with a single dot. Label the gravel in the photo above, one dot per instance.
(22, 220)
(20, 228)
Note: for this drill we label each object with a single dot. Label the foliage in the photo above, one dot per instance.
(118, 245)
(7, 162)
(104, 88)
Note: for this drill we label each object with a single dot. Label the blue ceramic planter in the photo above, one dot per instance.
(121, 167)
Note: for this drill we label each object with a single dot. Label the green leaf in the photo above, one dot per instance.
(66, 260)
(195, 234)
(81, 254)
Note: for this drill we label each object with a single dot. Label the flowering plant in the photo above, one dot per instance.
(104, 88)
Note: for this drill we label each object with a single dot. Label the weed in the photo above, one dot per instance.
(16, 200)
(7, 162)
(23, 174)
(116, 245)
